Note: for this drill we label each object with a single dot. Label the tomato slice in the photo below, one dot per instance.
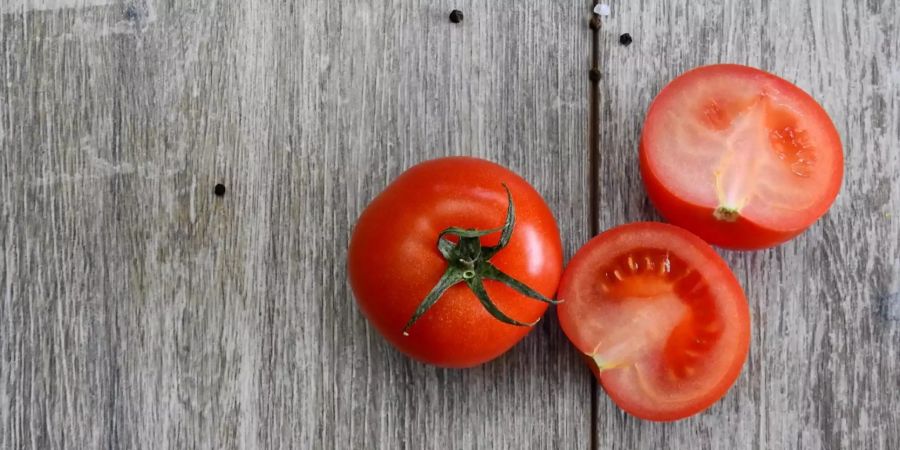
(661, 319)
(742, 158)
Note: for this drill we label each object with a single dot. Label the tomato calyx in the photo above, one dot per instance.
(468, 262)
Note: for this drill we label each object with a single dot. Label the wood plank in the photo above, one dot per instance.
(823, 365)
(140, 310)
(506, 84)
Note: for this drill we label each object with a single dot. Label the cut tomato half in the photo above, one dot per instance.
(659, 316)
(740, 157)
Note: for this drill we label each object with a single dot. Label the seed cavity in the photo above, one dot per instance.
(716, 116)
(632, 264)
(656, 275)
(746, 157)
(794, 148)
(646, 262)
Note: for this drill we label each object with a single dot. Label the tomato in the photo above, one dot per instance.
(395, 262)
(740, 157)
(659, 316)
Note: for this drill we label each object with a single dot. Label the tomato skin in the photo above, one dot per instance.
(393, 260)
(575, 288)
(743, 233)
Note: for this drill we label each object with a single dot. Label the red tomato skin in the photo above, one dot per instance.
(741, 350)
(741, 234)
(393, 261)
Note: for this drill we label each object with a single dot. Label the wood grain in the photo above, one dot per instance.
(139, 310)
(823, 367)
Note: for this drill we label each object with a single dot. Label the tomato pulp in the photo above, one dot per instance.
(394, 261)
(660, 317)
(740, 157)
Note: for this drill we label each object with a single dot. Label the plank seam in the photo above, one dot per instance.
(594, 177)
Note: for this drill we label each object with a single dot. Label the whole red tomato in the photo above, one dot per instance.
(442, 232)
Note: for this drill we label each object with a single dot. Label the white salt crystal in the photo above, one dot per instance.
(601, 9)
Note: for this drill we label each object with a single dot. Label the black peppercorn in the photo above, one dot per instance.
(625, 39)
(594, 75)
(456, 16)
(219, 189)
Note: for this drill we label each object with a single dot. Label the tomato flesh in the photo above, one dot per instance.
(662, 320)
(740, 157)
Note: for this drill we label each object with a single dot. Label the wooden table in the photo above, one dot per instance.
(140, 310)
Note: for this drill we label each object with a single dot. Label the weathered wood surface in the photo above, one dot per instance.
(140, 310)
(824, 366)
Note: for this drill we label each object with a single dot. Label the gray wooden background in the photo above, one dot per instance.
(139, 310)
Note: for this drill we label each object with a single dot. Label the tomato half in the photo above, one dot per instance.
(394, 261)
(740, 157)
(661, 319)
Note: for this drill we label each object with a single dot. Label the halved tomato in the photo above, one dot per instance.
(740, 157)
(661, 319)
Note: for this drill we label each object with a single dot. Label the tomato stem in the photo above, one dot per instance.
(468, 262)
(726, 213)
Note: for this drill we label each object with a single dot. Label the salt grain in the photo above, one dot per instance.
(601, 9)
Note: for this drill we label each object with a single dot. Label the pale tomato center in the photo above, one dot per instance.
(750, 163)
(742, 147)
(654, 308)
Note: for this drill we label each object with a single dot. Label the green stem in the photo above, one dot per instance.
(468, 261)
